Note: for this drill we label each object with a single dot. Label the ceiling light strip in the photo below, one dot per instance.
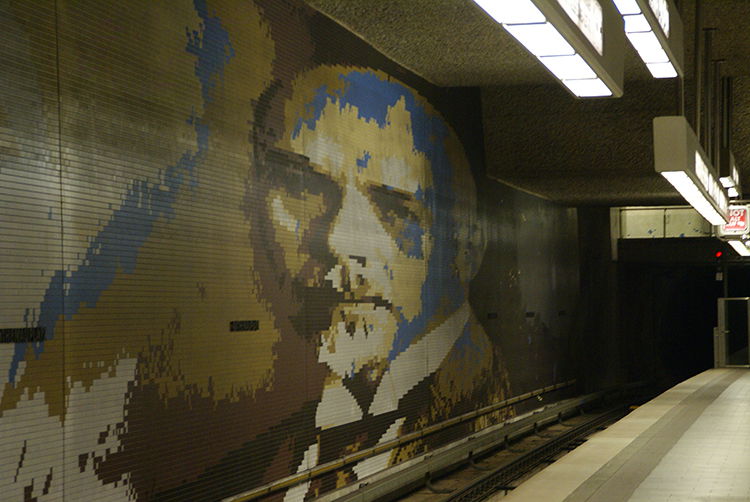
(732, 181)
(648, 25)
(739, 247)
(529, 22)
(680, 159)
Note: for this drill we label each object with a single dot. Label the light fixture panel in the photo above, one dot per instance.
(648, 47)
(568, 67)
(587, 29)
(729, 175)
(689, 190)
(588, 88)
(541, 39)
(588, 16)
(655, 30)
(662, 70)
(627, 7)
(512, 12)
(607, 63)
(660, 9)
(679, 157)
(739, 247)
(636, 23)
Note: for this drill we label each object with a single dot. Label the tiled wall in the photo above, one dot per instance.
(237, 243)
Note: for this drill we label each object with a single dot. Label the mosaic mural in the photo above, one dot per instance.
(231, 253)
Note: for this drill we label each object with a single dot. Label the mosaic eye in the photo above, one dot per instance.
(402, 216)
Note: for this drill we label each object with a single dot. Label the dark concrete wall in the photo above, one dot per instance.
(599, 347)
(667, 312)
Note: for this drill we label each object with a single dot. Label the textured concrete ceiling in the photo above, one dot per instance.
(538, 137)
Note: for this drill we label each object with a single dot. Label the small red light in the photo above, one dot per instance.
(718, 254)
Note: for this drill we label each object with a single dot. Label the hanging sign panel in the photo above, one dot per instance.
(737, 224)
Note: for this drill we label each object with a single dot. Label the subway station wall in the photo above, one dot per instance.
(238, 243)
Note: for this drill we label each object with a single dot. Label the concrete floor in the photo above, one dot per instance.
(691, 443)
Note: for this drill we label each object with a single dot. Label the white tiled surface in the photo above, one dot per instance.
(712, 459)
(710, 462)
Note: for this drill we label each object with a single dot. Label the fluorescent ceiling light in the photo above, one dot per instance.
(709, 183)
(692, 194)
(679, 157)
(648, 47)
(541, 39)
(740, 247)
(580, 41)
(636, 23)
(701, 170)
(588, 88)
(729, 176)
(661, 70)
(512, 11)
(726, 182)
(648, 25)
(627, 7)
(568, 67)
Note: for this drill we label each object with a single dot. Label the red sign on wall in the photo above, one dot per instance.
(738, 221)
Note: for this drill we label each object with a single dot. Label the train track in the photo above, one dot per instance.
(505, 468)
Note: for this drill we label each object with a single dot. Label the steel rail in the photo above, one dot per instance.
(322, 469)
(504, 475)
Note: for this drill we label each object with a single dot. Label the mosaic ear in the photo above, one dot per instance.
(470, 226)
(477, 245)
(472, 244)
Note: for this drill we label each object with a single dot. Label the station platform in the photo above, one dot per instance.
(691, 443)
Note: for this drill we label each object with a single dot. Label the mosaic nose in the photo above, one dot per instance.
(356, 231)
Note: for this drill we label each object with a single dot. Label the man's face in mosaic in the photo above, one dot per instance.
(378, 235)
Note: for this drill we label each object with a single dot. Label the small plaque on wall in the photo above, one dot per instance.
(252, 325)
(22, 335)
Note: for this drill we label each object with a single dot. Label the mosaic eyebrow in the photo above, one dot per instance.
(393, 200)
(295, 172)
